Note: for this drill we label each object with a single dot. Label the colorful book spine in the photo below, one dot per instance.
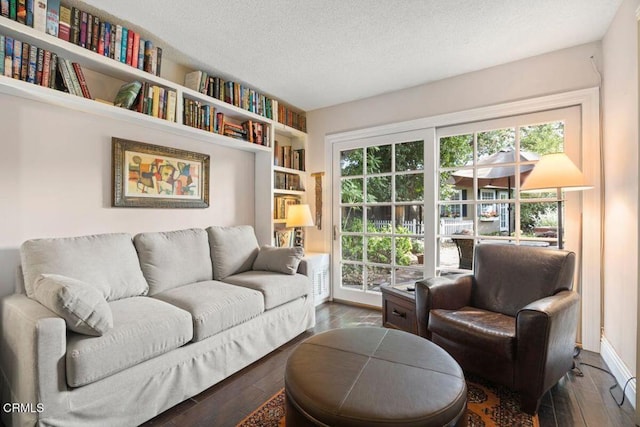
(8, 56)
(112, 51)
(118, 43)
(148, 48)
(66, 77)
(155, 111)
(130, 38)
(29, 20)
(83, 28)
(159, 61)
(89, 31)
(101, 38)
(135, 50)
(123, 45)
(107, 39)
(40, 15)
(24, 66)
(39, 66)
(95, 33)
(13, 9)
(83, 82)
(172, 102)
(46, 69)
(21, 14)
(64, 25)
(141, 54)
(53, 17)
(4, 8)
(2, 43)
(74, 35)
(53, 70)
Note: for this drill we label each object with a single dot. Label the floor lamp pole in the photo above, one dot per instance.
(560, 239)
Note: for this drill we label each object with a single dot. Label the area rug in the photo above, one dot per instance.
(487, 405)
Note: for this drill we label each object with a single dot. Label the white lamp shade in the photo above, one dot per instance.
(299, 216)
(554, 171)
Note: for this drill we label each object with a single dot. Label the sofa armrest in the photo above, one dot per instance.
(32, 358)
(440, 292)
(303, 268)
(546, 337)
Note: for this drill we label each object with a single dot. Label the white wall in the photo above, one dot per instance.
(620, 126)
(56, 169)
(559, 71)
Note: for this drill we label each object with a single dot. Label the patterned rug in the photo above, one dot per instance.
(487, 405)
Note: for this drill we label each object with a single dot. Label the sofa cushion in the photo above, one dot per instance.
(103, 260)
(233, 249)
(494, 332)
(278, 260)
(277, 288)
(143, 328)
(82, 306)
(174, 258)
(214, 306)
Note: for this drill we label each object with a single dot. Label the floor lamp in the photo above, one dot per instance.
(555, 172)
(299, 216)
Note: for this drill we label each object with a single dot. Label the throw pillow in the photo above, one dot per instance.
(82, 306)
(233, 249)
(278, 260)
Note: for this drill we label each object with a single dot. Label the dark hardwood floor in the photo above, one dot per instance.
(574, 401)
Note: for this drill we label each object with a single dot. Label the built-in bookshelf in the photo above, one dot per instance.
(195, 115)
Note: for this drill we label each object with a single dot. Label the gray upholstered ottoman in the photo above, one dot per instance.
(373, 377)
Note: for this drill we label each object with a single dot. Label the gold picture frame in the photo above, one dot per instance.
(153, 176)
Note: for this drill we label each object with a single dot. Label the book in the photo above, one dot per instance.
(123, 47)
(158, 61)
(66, 77)
(192, 80)
(118, 43)
(4, 8)
(74, 35)
(141, 54)
(135, 50)
(13, 8)
(39, 66)
(127, 94)
(155, 109)
(89, 38)
(95, 33)
(40, 15)
(29, 20)
(53, 17)
(64, 24)
(8, 56)
(46, 69)
(83, 82)
(21, 14)
(75, 82)
(83, 28)
(101, 38)
(148, 48)
(172, 102)
(33, 64)
(107, 39)
(53, 71)
(129, 55)
(24, 66)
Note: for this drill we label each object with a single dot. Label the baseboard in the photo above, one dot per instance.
(618, 369)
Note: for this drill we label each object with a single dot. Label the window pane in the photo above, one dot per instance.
(379, 189)
(542, 139)
(491, 143)
(379, 159)
(352, 248)
(351, 191)
(409, 219)
(379, 219)
(351, 162)
(408, 276)
(448, 258)
(352, 276)
(352, 219)
(410, 156)
(540, 220)
(449, 226)
(409, 251)
(379, 249)
(494, 219)
(450, 191)
(377, 276)
(410, 188)
(456, 150)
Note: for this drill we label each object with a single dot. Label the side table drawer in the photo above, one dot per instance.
(400, 316)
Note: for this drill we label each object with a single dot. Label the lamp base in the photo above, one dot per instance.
(298, 239)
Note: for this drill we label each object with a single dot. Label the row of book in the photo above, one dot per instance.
(243, 97)
(284, 238)
(281, 206)
(287, 181)
(285, 156)
(85, 30)
(145, 98)
(29, 63)
(204, 116)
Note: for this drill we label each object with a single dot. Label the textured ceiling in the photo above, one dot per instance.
(313, 54)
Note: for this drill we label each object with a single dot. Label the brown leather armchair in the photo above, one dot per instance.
(513, 321)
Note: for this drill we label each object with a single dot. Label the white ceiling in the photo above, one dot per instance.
(313, 54)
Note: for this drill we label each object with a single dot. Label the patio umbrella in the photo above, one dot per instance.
(496, 171)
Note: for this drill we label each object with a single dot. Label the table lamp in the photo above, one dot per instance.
(555, 172)
(299, 216)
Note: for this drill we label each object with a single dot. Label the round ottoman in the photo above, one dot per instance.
(373, 377)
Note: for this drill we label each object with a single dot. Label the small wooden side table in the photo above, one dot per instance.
(399, 308)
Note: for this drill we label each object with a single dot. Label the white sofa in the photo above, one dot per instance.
(188, 309)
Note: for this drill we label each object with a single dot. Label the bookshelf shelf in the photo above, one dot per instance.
(289, 192)
(288, 170)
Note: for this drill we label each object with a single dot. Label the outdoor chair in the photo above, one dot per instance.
(513, 321)
(465, 251)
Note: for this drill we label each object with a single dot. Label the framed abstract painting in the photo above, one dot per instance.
(152, 176)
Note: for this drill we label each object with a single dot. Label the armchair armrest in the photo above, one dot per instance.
(32, 357)
(546, 336)
(440, 292)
